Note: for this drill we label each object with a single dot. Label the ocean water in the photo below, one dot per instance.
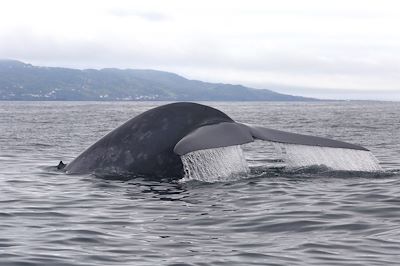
(268, 217)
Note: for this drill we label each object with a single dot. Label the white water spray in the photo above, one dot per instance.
(229, 163)
(212, 165)
(297, 156)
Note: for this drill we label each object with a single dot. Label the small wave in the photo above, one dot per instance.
(41, 145)
(318, 171)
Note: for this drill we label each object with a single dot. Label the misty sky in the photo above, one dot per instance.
(329, 49)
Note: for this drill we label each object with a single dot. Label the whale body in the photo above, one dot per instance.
(152, 142)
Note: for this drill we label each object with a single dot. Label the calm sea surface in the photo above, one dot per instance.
(271, 217)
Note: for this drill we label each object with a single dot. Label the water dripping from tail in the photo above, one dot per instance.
(229, 163)
(213, 165)
(299, 156)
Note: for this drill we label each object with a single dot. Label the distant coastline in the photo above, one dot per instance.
(24, 82)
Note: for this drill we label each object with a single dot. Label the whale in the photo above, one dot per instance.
(153, 142)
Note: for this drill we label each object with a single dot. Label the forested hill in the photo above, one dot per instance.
(21, 81)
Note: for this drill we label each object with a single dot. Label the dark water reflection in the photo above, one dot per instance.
(272, 217)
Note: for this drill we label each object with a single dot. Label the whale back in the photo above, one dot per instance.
(145, 143)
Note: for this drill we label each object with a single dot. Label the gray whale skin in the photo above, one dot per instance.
(151, 143)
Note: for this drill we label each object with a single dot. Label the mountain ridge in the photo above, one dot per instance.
(22, 81)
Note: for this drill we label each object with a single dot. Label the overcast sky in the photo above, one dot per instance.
(328, 49)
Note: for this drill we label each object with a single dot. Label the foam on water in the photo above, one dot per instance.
(297, 156)
(212, 165)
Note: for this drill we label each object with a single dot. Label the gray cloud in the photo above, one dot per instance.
(297, 45)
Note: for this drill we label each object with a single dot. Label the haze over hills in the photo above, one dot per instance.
(21, 81)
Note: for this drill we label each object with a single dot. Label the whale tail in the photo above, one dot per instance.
(154, 142)
(297, 150)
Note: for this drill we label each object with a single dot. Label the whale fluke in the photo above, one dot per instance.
(214, 136)
(279, 136)
(153, 142)
(229, 134)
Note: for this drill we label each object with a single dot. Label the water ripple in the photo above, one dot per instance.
(311, 216)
